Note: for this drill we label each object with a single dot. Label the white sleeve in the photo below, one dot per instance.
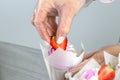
(106, 1)
(102, 1)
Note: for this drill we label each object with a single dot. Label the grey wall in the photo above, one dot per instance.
(96, 25)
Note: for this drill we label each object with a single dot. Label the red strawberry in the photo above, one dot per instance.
(54, 44)
(106, 72)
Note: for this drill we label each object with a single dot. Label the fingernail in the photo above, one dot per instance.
(60, 39)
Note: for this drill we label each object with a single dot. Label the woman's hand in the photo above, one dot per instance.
(46, 11)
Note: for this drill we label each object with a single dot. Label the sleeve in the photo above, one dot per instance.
(106, 1)
(102, 1)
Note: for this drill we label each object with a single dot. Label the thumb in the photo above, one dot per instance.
(64, 23)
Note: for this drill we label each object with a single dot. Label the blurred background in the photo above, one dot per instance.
(95, 26)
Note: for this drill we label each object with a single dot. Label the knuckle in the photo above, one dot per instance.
(37, 21)
(65, 30)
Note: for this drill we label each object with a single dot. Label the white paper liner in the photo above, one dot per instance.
(110, 59)
(59, 62)
(114, 62)
(62, 60)
(117, 76)
(90, 65)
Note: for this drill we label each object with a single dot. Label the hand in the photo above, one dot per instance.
(44, 17)
(98, 56)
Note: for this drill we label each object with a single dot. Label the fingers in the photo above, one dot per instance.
(43, 19)
(52, 24)
(46, 25)
(64, 23)
(39, 20)
(66, 14)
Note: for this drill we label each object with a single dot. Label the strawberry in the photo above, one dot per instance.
(62, 45)
(106, 72)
